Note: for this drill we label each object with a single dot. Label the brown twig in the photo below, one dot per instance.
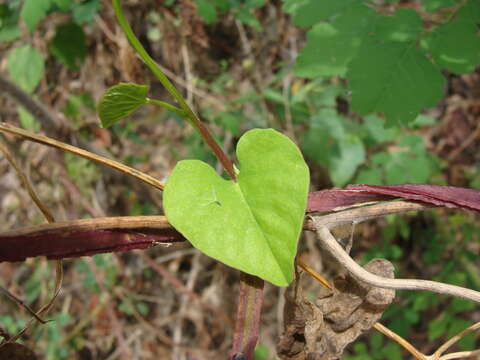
(334, 248)
(49, 217)
(13, 130)
(24, 180)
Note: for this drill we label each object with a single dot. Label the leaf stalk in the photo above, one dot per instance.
(188, 114)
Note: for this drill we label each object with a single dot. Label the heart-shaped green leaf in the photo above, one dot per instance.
(121, 100)
(252, 224)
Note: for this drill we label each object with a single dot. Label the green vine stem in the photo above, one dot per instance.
(188, 114)
(167, 106)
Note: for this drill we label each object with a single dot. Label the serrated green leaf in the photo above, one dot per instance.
(459, 57)
(69, 45)
(33, 11)
(432, 5)
(252, 224)
(394, 78)
(26, 67)
(121, 100)
(313, 11)
(330, 46)
(404, 25)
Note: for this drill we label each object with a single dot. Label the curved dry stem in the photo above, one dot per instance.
(13, 130)
(50, 219)
(24, 180)
(400, 340)
(454, 339)
(334, 248)
(460, 355)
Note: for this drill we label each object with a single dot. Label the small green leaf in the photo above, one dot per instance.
(121, 100)
(344, 163)
(9, 27)
(33, 11)
(207, 11)
(252, 224)
(26, 67)
(69, 45)
(84, 12)
(63, 5)
(27, 120)
(376, 129)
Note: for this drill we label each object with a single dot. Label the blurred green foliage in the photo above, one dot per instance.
(391, 62)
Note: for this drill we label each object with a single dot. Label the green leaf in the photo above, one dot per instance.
(329, 144)
(394, 78)
(69, 45)
(9, 32)
(404, 25)
(27, 120)
(344, 162)
(371, 176)
(207, 11)
(459, 57)
(26, 67)
(121, 100)
(9, 29)
(325, 126)
(313, 11)
(63, 5)
(33, 11)
(292, 6)
(84, 12)
(252, 224)
(376, 129)
(261, 352)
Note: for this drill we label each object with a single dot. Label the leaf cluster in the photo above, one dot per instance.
(25, 63)
(392, 62)
(211, 10)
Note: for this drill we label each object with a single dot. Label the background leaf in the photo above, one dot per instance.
(84, 12)
(331, 45)
(26, 67)
(69, 45)
(443, 43)
(395, 79)
(33, 11)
